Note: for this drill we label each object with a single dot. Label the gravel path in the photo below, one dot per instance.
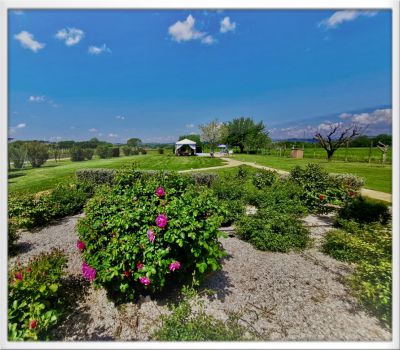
(295, 296)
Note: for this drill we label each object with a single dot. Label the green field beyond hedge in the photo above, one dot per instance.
(376, 177)
(40, 179)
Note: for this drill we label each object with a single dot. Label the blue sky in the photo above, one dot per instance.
(159, 74)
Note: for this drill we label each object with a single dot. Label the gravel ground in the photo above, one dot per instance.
(282, 297)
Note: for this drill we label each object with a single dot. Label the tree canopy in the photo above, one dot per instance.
(246, 134)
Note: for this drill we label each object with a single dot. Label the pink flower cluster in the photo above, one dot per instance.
(88, 272)
(176, 265)
(160, 192)
(161, 220)
(144, 280)
(80, 245)
(139, 265)
(151, 236)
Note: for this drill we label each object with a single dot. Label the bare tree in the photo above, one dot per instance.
(334, 135)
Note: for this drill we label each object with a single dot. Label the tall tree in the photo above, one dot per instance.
(213, 133)
(240, 129)
(335, 135)
(134, 142)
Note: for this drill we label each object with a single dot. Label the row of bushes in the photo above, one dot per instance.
(364, 237)
(36, 297)
(78, 154)
(33, 210)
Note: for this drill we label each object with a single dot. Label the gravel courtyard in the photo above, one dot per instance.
(299, 296)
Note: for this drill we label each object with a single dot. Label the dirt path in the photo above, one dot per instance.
(234, 162)
(294, 296)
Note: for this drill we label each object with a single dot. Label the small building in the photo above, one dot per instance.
(297, 153)
(185, 147)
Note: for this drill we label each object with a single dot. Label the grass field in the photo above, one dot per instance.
(352, 154)
(376, 177)
(40, 179)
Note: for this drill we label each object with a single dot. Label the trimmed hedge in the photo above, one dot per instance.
(96, 176)
(106, 176)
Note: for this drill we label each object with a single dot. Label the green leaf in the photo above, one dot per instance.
(42, 288)
(53, 287)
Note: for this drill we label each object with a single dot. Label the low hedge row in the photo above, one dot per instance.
(106, 176)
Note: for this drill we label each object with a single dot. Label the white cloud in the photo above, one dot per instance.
(345, 115)
(97, 50)
(379, 116)
(208, 40)
(37, 98)
(190, 126)
(340, 17)
(161, 139)
(21, 125)
(327, 126)
(112, 135)
(55, 138)
(93, 130)
(226, 25)
(27, 41)
(121, 117)
(13, 129)
(18, 12)
(185, 31)
(71, 36)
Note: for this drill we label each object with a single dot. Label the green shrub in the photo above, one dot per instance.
(103, 151)
(228, 188)
(34, 300)
(319, 188)
(120, 231)
(12, 235)
(115, 152)
(37, 153)
(349, 182)
(188, 323)
(234, 209)
(370, 246)
(135, 152)
(243, 172)
(88, 153)
(77, 154)
(264, 178)
(30, 211)
(96, 176)
(270, 230)
(372, 285)
(17, 154)
(365, 210)
(282, 196)
(126, 150)
(160, 150)
(204, 179)
(142, 150)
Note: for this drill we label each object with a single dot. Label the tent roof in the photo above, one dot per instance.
(185, 142)
(221, 146)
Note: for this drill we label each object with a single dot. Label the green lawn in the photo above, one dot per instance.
(376, 177)
(40, 179)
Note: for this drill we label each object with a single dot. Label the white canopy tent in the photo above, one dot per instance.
(184, 142)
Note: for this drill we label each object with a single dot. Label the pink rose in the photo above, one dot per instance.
(160, 192)
(161, 221)
(139, 266)
(88, 272)
(80, 245)
(151, 236)
(144, 280)
(176, 265)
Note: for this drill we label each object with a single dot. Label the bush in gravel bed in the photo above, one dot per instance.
(34, 300)
(282, 196)
(188, 321)
(372, 285)
(146, 231)
(12, 235)
(365, 210)
(234, 209)
(320, 189)
(274, 231)
(30, 211)
(264, 178)
(370, 246)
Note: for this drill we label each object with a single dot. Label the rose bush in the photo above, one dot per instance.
(148, 230)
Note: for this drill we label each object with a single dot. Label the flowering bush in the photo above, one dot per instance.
(148, 230)
(34, 301)
(320, 188)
